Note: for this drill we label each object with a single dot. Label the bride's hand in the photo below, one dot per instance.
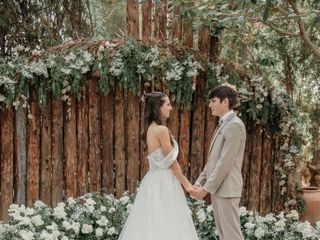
(190, 188)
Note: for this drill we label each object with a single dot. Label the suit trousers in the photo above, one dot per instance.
(227, 219)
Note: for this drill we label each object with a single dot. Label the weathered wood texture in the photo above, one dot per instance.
(95, 143)
(6, 161)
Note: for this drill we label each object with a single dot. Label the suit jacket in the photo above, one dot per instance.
(222, 173)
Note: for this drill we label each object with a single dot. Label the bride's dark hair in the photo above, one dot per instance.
(152, 112)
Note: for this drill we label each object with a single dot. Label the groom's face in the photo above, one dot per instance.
(218, 107)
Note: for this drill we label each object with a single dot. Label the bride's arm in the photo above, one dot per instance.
(176, 169)
(165, 142)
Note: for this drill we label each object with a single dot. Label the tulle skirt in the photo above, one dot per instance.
(160, 210)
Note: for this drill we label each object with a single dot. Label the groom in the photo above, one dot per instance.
(221, 176)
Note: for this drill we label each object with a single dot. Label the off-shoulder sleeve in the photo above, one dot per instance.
(168, 160)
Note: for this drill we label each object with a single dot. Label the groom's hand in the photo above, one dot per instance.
(199, 193)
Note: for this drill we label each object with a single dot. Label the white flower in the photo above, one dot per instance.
(129, 207)
(209, 208)
(111, 210)
(36, 52)
(90, 208)
(85, 69)
(103, 221)
(318, 225)
(243, 211)
(116, 65)
(24, 221)
(39, 204)
(90, 201)
(37, 220)
(76, 227)
(64, 238)
(13, 208)
(99, 232)
(101, 48)
(249, 225)
(86, 228)
(259, 232)
(26, 235)
(292, 202)
(293, 215)
(46, 236)
(71, 200)
(71, 56)
(175, 73)
(87, 56)
(59, 212)
(112, 231)
(124, 200)
(201, 215)
(66, 225)
(280, 225)
(66, 71)
(103, 209)
(52, 227)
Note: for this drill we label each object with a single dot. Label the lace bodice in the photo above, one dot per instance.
(158, 160)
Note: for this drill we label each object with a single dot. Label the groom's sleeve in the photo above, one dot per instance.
(232, 142)
(202, 178)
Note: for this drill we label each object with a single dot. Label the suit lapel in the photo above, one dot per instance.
(217, 131)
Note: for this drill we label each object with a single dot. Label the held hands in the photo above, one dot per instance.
(198, 192)
(190, 188)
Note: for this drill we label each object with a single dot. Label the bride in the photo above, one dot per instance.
(160, 210)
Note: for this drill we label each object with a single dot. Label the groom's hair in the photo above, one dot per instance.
(225, 91)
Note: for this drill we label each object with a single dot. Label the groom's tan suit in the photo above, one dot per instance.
(222, 177)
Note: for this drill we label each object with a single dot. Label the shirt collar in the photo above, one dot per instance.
(224, 117)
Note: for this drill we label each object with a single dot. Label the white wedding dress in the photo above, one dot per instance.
(160, 210)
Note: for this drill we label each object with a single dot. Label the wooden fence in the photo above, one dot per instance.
(94, 143)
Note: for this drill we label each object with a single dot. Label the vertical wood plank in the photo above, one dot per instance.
(6, 161)
(94, 138)
(184, 138)
(187, 32)
(133, 141)
(146, 19)
(20, 140)
(119, 141)
(45, 152)
(82, 141)
(57, 151)
(146, 34)
(132, 18)
(211, 124)
(143, 146)
(161, 20)
(197, 161)
(107, 113)
(211, 121)
(70, 150)
(176, 30)
(277, 198)
(265, 193)
(214, 47)
(246, 169)
(33, 150)
(255, 168)
(174, 120)
(133, 102)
